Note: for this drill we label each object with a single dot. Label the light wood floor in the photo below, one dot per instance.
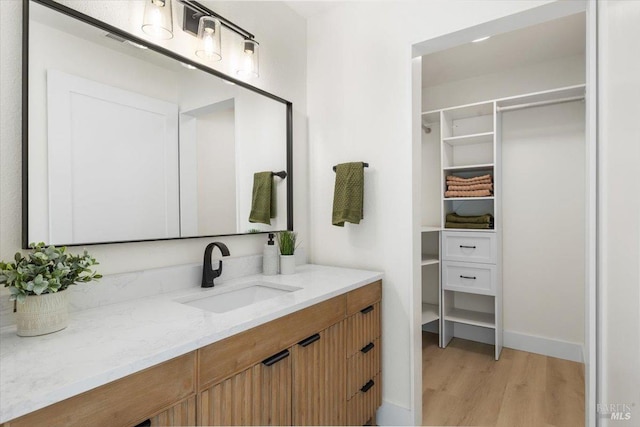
(464, 386)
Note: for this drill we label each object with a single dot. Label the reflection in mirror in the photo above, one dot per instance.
(127, 144)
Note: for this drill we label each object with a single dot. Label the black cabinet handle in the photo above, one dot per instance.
(308, 341)
(367, 348)
(365, 388)
(468, 247)
(145, 423)
(367, 310)
(468, 277)
(276, 358)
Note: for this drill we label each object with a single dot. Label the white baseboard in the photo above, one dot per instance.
(390, 414)
(546, 346)
(519, 341)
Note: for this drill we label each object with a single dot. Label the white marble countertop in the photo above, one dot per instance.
(107, 343)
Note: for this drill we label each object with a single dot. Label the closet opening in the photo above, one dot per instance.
(504, 210)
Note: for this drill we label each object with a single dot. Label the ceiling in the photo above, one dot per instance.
(307, 9)
(537, 43)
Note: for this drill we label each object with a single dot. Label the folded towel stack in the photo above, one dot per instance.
(478, 186)
(473, 222)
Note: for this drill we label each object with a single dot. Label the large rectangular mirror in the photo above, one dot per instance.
(124, 143)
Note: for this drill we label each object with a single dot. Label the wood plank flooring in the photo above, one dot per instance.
(464, 386)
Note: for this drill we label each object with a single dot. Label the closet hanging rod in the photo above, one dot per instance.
(540, 103)
(366, 165)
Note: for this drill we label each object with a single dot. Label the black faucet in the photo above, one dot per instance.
(208, 274)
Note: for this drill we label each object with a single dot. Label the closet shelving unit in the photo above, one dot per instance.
(430, 260)
(430, 264)
(470, 261)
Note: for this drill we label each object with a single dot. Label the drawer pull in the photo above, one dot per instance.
(367, 348)
(367, 310)
(276, 358)
(467, 247)
(365, 388)
(145, 423)
(308, 341)
(468, 277)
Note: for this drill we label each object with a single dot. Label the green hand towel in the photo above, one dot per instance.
(479, 219)
(263, 206)
(467, 225)
(348, 194)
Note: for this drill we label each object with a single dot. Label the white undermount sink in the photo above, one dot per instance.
(227, 299)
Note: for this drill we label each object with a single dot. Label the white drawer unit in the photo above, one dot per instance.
(470, 278)
(469, 247)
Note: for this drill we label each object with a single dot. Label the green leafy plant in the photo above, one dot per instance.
(287, 242)
(46, 270)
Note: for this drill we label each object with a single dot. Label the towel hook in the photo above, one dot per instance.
(281, 174)
(364, 164)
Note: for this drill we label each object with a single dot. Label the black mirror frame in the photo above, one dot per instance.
(125, 35)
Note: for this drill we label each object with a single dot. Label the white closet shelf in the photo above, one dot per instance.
(469, 110)
(429, 259)
(431, 117)
(430, 313)
(469, 317)
(475, 138)
(468, 198)
(429, 229)
(475, 230)
(469, 168)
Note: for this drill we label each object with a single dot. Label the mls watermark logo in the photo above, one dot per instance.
(615, 411)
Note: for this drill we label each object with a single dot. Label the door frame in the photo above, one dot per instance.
(523, 19)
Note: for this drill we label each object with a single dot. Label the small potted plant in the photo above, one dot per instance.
(37, 282)
(287, 245)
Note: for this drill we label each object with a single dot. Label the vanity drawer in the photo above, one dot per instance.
(363, 328)
(363, 297)
(469, 277)
(362, 366)
(469, 247)
(363, 405)
(124, 402)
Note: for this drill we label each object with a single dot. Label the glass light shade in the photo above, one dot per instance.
(249, 59)
(209, 39)
(158, 21)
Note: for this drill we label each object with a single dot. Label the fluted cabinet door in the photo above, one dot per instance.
(319, 378)
(182, 414)
(260, 395)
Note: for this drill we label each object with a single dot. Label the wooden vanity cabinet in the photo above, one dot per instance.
(319, 378)
(160, 395)
(317, 366)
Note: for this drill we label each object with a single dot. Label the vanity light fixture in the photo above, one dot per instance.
(206, 25)
(248, 66)
(209, 39)
(157, 20)
(481, 39)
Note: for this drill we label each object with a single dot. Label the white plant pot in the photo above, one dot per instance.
(287, 264)
(42, 314)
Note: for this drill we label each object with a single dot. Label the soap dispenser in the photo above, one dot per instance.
(270, 257)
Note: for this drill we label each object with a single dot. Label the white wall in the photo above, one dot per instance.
(360, 108)
(543, 175)
(515, 81)
(282, 36)
(619, 208)
(215, 134)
